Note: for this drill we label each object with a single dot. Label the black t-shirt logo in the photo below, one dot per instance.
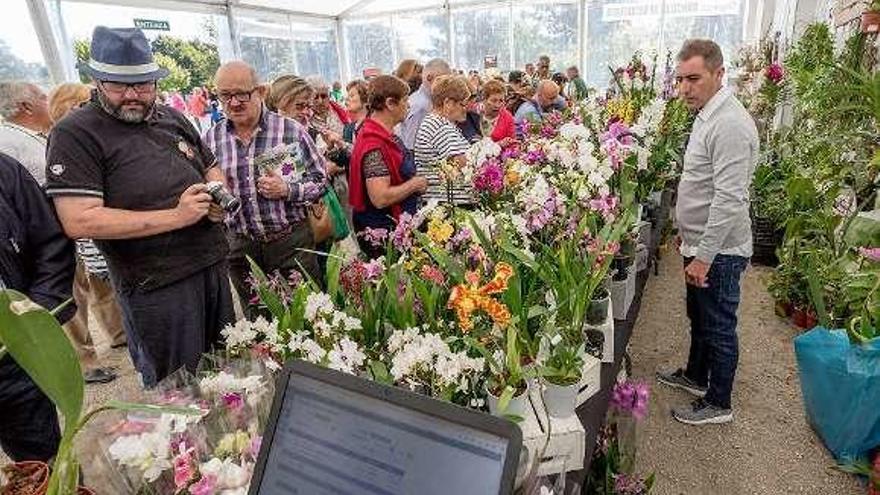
(186, 149)
(57, 169)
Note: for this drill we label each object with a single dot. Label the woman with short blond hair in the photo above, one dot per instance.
(440, 143)
(65, 97)
(410, 71)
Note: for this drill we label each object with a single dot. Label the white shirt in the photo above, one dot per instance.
(26, 146)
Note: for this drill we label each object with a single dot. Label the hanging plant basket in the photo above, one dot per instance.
(870, 21)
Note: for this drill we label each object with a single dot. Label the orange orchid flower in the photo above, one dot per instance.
(467, 298)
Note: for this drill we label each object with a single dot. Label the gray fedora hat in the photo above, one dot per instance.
(121, 55)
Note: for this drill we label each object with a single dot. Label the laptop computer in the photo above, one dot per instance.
(335, 433)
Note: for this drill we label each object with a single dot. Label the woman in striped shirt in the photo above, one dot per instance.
(440, 146)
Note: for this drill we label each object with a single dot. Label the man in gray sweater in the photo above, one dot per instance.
(715, 230)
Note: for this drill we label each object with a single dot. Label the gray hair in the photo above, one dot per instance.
(317, 82)
(436, 67)
(239, 64)
(13, 94)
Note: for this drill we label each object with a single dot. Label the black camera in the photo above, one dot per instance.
(223, 198)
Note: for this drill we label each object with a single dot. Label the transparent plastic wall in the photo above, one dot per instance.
(591, 34)
(338, 40)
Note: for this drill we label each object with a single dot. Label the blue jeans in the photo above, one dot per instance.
(714, 348)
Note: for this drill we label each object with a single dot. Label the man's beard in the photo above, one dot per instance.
(130, 116)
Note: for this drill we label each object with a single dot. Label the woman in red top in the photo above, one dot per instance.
(382, 179)
(497, 122)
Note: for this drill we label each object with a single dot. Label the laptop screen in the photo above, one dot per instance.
(330, 440)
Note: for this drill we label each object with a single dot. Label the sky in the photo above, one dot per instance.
(16, 28)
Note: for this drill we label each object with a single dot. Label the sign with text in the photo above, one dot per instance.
(372, 72)
(631, 11)
(490, 61)
(152, 25)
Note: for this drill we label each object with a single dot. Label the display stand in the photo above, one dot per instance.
(592, 412)
(622, 294)
(607, 327)
(565, 450)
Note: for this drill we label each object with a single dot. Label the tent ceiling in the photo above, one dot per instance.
(329, 8)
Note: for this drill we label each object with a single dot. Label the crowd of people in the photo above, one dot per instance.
(155, 208)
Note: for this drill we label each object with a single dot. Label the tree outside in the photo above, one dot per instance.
(191, 63)
(14, 68)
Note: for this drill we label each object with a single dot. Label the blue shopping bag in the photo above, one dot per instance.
(840, 383)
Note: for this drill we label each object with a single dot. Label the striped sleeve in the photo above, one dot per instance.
(91, 257)
(437, 140)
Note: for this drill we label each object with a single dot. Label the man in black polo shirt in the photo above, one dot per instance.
(131, 174)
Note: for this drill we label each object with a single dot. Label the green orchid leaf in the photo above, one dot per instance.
(35, 340)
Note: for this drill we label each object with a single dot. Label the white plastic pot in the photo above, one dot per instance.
(517, 406)
(560, 400)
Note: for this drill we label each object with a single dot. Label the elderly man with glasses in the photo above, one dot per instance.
(271, 164)
(131, 174)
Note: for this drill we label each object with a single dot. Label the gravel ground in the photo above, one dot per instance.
(769, 448)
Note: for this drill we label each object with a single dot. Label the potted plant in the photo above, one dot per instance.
(562, 371)
(25, 326)
(624, 258)
(871, 17)
(507, 389)
(804, 317)
(599, 306)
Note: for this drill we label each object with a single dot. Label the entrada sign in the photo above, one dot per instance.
(151, 24)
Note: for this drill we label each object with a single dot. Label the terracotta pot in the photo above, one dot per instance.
(84, 491)
(870, 21)
(799, 318)
(804, 318)
(40, 476)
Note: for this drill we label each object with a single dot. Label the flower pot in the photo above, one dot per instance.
(870, 21)
(620, 267)
(560, 400)
(30, 477)
(804, 318)
(84, 491)
(518, 405)
(597, 312)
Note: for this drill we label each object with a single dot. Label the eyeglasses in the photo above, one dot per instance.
(120, 87)
(241, 96)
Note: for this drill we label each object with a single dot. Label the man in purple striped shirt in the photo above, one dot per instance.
(272, 166)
